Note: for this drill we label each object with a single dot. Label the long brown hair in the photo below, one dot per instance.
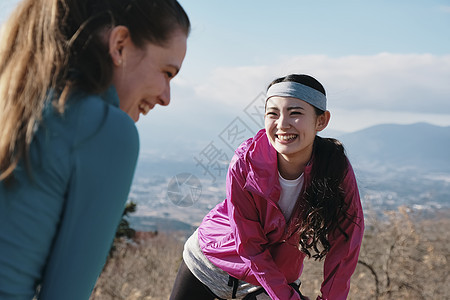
(57, 45)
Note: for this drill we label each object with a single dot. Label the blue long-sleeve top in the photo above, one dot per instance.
(58, 220)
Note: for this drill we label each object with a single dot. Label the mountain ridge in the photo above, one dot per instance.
(421, 146)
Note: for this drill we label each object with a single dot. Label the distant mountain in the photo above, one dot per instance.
(419, 146)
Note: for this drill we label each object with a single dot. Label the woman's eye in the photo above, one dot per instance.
(169, 74)
(270, 113)
(296, 113)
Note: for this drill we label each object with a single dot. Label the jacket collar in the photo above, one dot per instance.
(261, 160)
(262, 163)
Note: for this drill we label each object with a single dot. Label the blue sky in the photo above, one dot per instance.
(380, 62)
(250, 32)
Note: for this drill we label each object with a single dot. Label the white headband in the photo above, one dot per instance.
(299, 91)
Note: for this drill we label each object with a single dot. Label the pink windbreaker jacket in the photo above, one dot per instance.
(248, 237)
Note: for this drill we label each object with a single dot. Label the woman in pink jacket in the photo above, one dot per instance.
(290, 194)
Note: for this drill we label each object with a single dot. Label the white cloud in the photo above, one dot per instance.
(234, 86)
(363, 91)
(411, 83)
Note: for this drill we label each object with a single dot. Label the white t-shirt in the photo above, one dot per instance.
(290, 190)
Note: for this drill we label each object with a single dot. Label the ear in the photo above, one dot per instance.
(119, 38)
(322, 121)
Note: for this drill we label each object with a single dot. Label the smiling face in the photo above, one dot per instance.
(291, 125)
(142, 76)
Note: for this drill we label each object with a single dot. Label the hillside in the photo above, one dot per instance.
(402, 257)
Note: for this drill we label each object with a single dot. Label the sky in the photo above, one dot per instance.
(380, 62)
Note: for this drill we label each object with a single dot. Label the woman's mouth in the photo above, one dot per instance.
(286, 137)
(144, 108)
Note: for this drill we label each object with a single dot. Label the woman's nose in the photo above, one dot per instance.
(283, 121)
(164, 98)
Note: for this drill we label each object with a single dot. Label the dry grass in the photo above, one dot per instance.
(401, 258)
(144, 270)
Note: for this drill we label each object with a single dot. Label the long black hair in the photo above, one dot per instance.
(321, 207)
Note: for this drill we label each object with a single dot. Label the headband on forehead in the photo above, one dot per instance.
(299, 91)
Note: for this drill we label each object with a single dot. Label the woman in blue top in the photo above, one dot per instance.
(74, 77)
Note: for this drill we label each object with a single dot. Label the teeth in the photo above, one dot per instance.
(145, 108)
(286, 137)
